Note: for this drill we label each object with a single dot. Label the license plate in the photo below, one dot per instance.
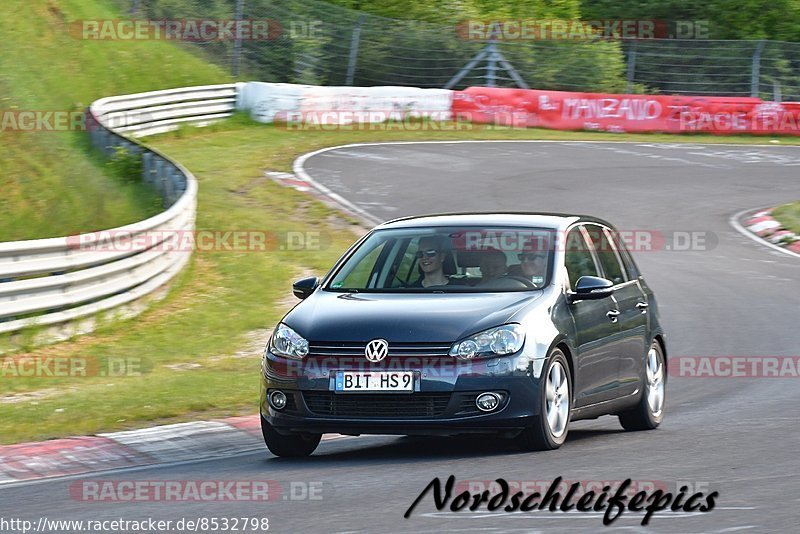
(358, 381)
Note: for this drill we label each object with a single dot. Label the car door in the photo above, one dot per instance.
(629, 345)
(596, 331)
(633, 319)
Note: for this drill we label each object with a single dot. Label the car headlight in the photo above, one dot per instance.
(498, 341)
(288, 343)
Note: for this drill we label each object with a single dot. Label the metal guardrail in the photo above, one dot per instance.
(47, 282)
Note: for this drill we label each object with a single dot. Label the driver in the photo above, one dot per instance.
(431, 255)
(492, 265)
(532, 266)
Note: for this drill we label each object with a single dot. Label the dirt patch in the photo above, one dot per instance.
(184, 366)
(255, 183)
(34, 396)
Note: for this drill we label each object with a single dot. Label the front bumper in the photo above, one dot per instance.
(443, 401)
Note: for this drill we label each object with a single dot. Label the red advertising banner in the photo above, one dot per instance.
(561, 110)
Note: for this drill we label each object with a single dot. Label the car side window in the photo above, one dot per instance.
(578, 257)
(627, 261)
(606, 254)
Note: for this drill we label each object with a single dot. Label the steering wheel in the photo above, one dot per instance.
(402, 282)
(522, 279)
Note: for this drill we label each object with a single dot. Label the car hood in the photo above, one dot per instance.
(408, 317)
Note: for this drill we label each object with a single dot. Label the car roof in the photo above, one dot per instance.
(558, 221)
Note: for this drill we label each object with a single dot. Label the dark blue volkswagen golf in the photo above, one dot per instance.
(507, 324)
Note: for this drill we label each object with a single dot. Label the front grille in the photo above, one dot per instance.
(353, 349)
(376, 405)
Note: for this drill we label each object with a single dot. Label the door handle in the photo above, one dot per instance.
(642, 306)
(612, 314)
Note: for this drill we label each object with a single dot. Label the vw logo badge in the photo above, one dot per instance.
(376, 350)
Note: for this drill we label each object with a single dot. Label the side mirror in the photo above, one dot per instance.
(303, 288)
(591, 288)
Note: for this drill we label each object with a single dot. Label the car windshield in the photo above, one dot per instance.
(448, 259)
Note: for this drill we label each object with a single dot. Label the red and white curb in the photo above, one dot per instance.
(176, 443)
(290, 180)
(767, 228)
(302, 181)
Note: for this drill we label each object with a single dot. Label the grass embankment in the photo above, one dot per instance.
(199, 350)
(789, 216)
(50, 183)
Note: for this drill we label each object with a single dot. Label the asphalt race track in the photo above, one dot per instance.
(730, 297)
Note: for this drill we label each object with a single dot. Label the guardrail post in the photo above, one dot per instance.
(159, 177)
(169, 194)
(147, 167)
(101, 139)
(180, 186)
(110, 147)
(95, 135)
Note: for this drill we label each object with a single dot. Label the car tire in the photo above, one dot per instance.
(294, 446)
(549, 429)
(649, 413)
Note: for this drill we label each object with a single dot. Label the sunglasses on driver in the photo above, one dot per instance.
(431, 253)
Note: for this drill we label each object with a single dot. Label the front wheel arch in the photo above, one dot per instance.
(539, 434)
(663, 344)
(561, 343)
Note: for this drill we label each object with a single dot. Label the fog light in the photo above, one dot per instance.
(277, 399)
(487, 402)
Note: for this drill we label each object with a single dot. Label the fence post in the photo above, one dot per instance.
(776, 92)
(236, 61)
(491, 64)
(353, 58)
(467, 68)
(631, 67)
(756, 69)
